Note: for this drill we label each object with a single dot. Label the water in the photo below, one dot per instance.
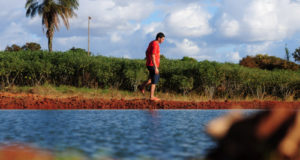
(120, 134)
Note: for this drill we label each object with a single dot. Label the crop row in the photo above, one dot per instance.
(211, 79)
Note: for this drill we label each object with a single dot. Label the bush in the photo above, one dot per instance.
(31, 46)
(211, 79)
(13, 48)
(182, 83)
(296, 54)
(268, 63)
(188, 59)
(79, 50)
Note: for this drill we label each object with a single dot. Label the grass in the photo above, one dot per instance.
(111, 93)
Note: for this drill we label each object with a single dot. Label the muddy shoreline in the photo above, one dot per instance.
(31, 101)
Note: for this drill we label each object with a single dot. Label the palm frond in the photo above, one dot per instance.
(31, 7)
(51, 11)
(28, 3)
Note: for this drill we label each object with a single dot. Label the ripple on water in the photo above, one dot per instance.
(123, 134)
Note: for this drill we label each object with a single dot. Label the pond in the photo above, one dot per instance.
(119, 134)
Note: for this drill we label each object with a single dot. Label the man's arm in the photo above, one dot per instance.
(154, 64)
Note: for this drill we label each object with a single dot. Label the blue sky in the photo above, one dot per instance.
(215, 30)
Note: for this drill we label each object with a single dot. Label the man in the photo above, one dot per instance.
(152, 63)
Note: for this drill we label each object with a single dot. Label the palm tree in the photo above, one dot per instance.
(51, 11)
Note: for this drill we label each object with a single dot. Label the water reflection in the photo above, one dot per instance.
(118, 134)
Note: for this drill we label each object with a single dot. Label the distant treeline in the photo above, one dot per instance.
(211, 79)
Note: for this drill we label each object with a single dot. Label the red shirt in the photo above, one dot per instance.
(153, 48)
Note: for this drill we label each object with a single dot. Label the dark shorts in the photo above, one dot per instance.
(154, 77)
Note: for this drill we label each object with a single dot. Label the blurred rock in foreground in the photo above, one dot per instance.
(272, 134)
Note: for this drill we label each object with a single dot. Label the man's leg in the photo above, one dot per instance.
(152, 91)
(153, 86)
(145, 84)
(152, 97)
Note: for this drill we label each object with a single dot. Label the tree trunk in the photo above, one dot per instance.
(50, 44)
(50, 33)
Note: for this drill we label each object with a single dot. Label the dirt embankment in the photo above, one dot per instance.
(31, 101)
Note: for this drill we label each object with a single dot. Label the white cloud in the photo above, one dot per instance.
(190, 21)
(127, 56)
(185, 47)
(233, 57)
(262, 19)
(259, 20)
(229, 27)
(115, 37)
(15, 34)
(111, 15)
(256, 48)
(253, 49)
(152, 28)
(121, 27)
(34, 21)
(69, 41)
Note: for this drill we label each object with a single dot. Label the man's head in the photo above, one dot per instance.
(160, 37)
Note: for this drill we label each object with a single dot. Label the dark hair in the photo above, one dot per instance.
(160, 35)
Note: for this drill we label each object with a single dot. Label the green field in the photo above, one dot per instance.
(182, 78)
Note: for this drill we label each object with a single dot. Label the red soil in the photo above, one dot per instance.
(31, 101)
